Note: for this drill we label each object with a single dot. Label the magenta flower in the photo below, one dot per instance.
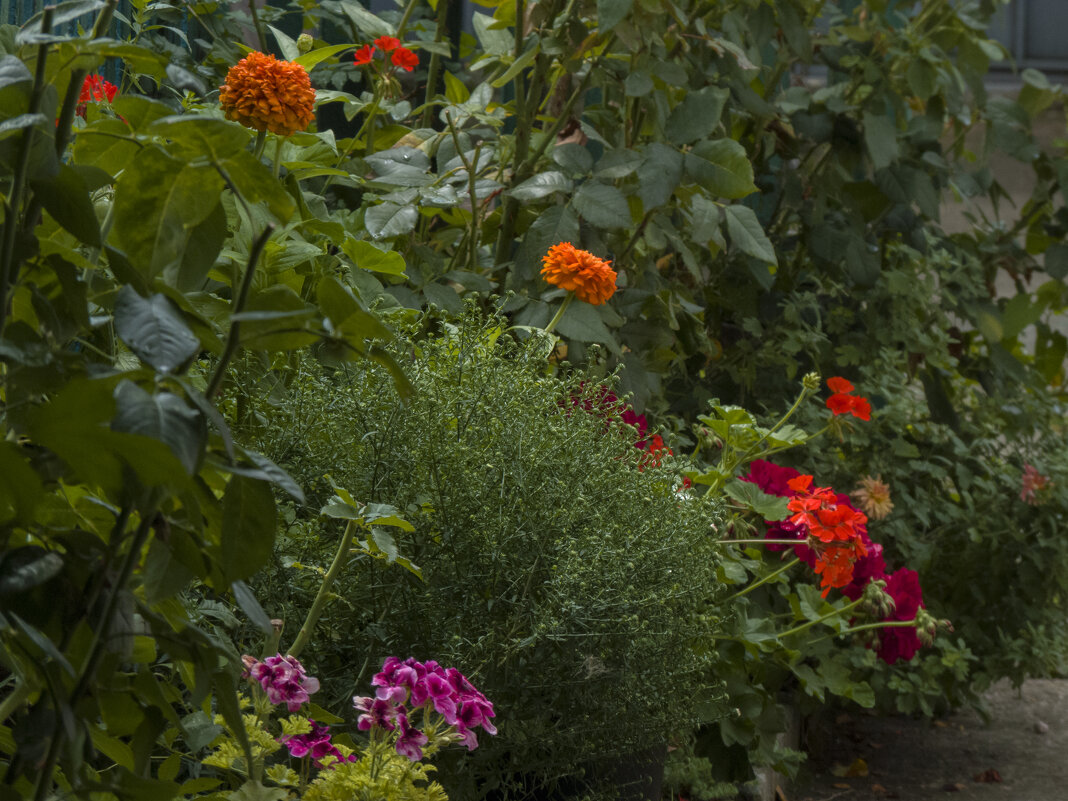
(378, 712)
(283, 678)
(411, 741)
(901, 642)
(315, 744)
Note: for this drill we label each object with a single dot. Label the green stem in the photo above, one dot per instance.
(433, 72)
(770, 577)
(277, 154)
(886, 624)
(261, 143)
(13, 219)
(828, 616)
(258, 25)
(559, 313)
(233, 337)
(14, 700)
(368, 121)
(407, 15)
(77, 78)
(340, 558)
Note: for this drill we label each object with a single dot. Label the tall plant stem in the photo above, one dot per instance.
(433, 72)
(559, 313)
(340, 558)
(407, 15)
(8, 265)
(258, 25)
(77, 78)
(770, 577)
(233, 337)
(368, 125)
(261, 143)
(821, 618)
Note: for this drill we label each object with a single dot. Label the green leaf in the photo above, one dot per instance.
(444, 297)
(13, 72)
(722, 167)
(390, 219)
(769, 507)
(748, 235)
(611, 12)
(638, 84)
(66, 197)
(368, 257)
(364, 20)
(201, 135)
(205, 243)
(165, 417)
(315, 57)
(555, 225)
(541, 185)
(164, 574)
(63, 13)
(248, 527)
(518, 66)
(154, 330)
(20, 491)
(13, 125)
(251, 607)
(494, 41)
(198, 730)
(286, 44)
(252, 790)
(1056, 261)
(256, 183)
(697, 115)
(658, 174)
(158, 201)
(582, 322)
(22, 569)
(602, 205)
(621, 163)
(880, 136)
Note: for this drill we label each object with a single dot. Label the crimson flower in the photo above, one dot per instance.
(364, 55)
(844, 402)
(387, 43)
(405, 59)
(901, 642)
(94, 90)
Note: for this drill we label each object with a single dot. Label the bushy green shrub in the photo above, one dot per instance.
(561, 567)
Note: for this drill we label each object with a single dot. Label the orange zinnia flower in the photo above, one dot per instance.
(267, 94)
(579, 271)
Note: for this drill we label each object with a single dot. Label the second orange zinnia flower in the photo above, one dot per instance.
(591, 278)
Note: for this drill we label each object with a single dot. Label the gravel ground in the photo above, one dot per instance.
(1021, 755)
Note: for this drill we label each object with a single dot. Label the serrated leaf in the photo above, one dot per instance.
(658, 174)
(389, 219)
(611, 12)
(770, 507)
(541, 185)
(722, 167)
(748, 235)
(581, 321)
(154, 330)
(697, 115)
(602, 205)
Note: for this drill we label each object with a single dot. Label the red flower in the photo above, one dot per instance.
(653, 449)
(842, 402)
(839, 531)
(95, 89)
(405, 59)
(364, 55)
(387, 43)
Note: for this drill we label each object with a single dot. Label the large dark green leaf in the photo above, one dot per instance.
(256, 183)
(202, 248)
(20, 489)
(658, 174)
(722, 167)
(611, 12)
(164, 417)
(697, 115)
(154, 330)
(66, 197)
(390, 219)
(368, 257)
(13, 72)
(880, 136)
(556, 224)
(248, 527)
(251, 607)
(200, 135)
(22, 569)
(582, 321)
(158, 201)
(747, 234)
(602, 204)
(541, 185)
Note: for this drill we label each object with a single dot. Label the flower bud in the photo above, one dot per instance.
(811, 381)
(305, 43)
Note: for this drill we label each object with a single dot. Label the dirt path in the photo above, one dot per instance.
(1022, 755)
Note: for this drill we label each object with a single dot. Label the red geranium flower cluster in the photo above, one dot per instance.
(400, 57)
(823, 518)
(843, 401)
(94, 90)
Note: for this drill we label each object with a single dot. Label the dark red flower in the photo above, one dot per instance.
(901, 642)
(405, 59)
(364, 55)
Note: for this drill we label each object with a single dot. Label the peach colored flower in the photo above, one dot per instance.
(591, 278)
(873, 496)
(266, 94)
(1033, 485)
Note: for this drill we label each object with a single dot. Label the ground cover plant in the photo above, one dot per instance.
(430, 345)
